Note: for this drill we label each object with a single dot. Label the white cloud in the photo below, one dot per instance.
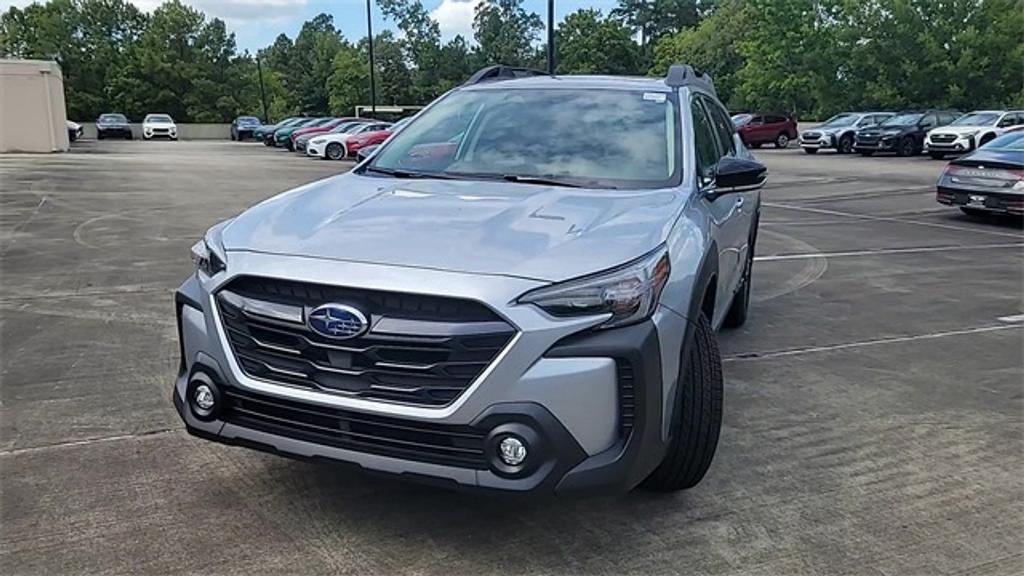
(455, 17)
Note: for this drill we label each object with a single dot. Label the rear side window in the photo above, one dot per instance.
(774, 120)
(705, 144)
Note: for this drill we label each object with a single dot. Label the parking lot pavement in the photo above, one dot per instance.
(872, 412)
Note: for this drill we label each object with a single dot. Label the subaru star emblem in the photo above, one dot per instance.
(337, 321)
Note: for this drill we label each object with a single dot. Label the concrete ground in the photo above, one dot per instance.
(873, 410)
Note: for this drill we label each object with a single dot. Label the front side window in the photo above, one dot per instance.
(722, 126)
(592, 138)
(705, 146)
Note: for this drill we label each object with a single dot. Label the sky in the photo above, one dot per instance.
(257, 22)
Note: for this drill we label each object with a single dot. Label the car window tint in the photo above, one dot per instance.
(705, 146)
(722, 125)
(929, 120)
(757, 120)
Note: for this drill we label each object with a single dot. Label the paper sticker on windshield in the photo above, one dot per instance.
(654, 96)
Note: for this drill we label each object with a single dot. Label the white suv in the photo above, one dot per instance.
(159, 126)
(971, 131)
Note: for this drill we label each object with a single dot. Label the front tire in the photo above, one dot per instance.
(845, 145)
(937, 155)
(334, 151)
(907, 147)
(696, 416)
(782, 140)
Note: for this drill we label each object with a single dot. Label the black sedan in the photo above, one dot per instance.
(989, 181)
(113, 126)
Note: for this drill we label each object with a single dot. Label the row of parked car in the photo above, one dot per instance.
(331, 138)
(937, 133)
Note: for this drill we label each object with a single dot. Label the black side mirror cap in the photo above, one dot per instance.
(739, 175)
(367, 152)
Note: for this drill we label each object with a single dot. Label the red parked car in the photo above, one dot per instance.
(312, 130)
(756, 129)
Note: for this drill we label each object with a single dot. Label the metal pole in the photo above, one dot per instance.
(551, 37)
(373, 85)
(263, 94)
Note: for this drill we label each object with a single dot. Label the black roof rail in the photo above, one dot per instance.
(501, 72)
(680, 75)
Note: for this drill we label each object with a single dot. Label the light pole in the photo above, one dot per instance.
(263, 94)
(369, 35)
(551, 37)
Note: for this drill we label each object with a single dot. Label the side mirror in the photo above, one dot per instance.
(367, 152)
(739, 175)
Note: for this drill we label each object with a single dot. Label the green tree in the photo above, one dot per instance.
(506, 32)
(713, 47)
(311, 61)
(588, 43)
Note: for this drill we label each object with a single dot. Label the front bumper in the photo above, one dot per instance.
(591, 402)
(959, 145)
(318, 150)
(883, 144)
(820, 142)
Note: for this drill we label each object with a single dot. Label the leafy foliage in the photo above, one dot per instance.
(809, 57)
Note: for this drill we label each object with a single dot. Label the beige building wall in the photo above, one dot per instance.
(32, 113)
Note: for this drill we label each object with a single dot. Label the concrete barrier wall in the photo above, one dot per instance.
(185, 131)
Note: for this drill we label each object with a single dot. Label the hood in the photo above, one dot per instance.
(502, 228)
(958, 130)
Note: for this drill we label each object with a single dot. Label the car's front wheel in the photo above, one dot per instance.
(696, 417)
(907, 147)
(846, 144)
(335, 151)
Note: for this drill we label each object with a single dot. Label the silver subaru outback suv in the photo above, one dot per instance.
(517, 292)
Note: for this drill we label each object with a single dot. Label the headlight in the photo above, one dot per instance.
(629, 293)
(206, 260)
(318, 141)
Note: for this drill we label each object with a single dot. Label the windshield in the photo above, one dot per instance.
(592, 138)
(248, 120)
(742, 119)
(113, 119)
(976, 119)
(840, 120)
(902, 120)
(1013, 141)
(159, 118)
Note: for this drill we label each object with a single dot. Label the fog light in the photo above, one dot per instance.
(512, 451)
(203, 397)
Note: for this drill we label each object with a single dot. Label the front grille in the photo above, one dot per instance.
(868, 138)
(423, 350)
(811, 135)
(943, 138)
(449, 445)
(627, 396)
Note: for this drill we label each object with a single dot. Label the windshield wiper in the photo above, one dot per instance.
(407, 173)
(524, 179)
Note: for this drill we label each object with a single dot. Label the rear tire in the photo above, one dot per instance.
(739, 310)
(267, 142)
(811, 150)
(782, 140)
(937, 155)
(334, 151)
(697, 415)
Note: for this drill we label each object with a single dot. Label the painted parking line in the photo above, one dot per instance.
(864, 343)
(890, 219)
(881, 251)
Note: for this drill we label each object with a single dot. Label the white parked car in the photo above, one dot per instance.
(159, 126)
(971, 131)
(334, 145)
